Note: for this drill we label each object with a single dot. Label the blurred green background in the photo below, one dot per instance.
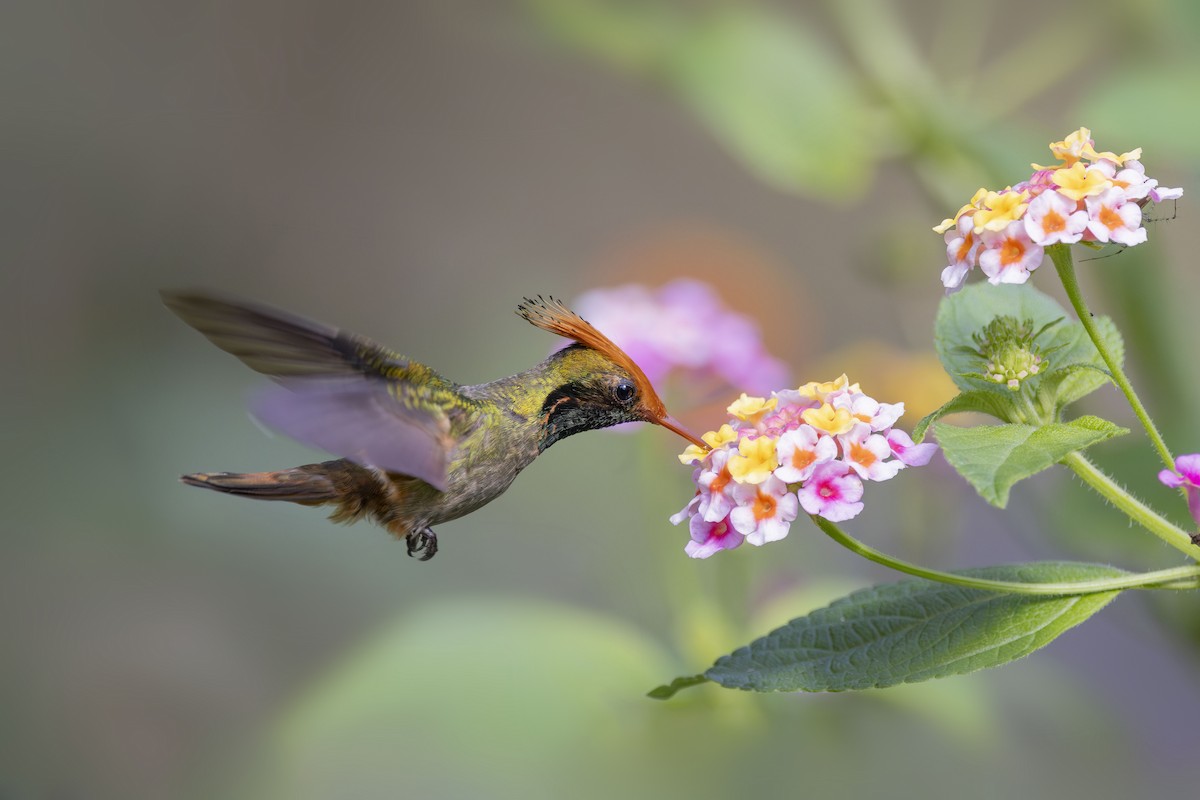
(410, 171)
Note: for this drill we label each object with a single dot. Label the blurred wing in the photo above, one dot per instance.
(362, 420)
(337, 391)
(285, 345)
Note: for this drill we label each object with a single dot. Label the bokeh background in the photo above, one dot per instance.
(410, 171)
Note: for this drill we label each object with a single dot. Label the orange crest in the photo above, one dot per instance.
(552, 315)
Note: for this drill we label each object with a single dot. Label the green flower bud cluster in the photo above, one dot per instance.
(1007, 346)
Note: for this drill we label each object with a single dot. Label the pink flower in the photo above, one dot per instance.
(1112, 219)
(1009, 255)
(800, 451)
(1187, 476)
(866, 453)
(1090, 196)
(880, 416)
(684, 325)
(962, 250)
(1053, 218)
(765, 511)
(913, 455)
(812, 447)
(1157, 193)
(833, 492)
(716, 487)
(711, 537)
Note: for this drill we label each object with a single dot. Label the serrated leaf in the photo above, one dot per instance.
(1063, 383)
(1083, 382)
(994, 457)
(669, 690)
(995, 405)
(911, 631)
(963, 314)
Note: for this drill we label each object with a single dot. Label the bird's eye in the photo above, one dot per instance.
(625, 392)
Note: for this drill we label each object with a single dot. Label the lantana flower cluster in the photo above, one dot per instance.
(1089, 196)
(809, 448)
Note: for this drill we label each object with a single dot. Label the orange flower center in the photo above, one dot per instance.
(861, 455)
(965, 248)
(764, 507)
(802, 458)
(1053, 222)
(1011, 252)
(721, 481)
(1110, 218)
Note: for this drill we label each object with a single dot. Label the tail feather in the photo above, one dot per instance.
(307, 485)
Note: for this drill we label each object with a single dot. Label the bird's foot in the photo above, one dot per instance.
(423, 542)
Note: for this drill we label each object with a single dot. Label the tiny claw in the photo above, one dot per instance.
(424, 542)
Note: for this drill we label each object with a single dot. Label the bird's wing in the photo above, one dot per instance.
(338, 391)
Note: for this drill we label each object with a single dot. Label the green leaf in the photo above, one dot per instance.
(772, 92)
(911, 631)
(668, 690)
(779, 99)
(1082, 382)
(996, 405)
(1150, 85)
(963, 314)
(1063, 383)
(632, 37)
(443, 681)
(994, 457)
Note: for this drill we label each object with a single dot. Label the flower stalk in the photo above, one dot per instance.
(1065, 265)
(1137, 511)
(1186, 577)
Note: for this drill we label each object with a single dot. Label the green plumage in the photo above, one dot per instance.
(418, 449)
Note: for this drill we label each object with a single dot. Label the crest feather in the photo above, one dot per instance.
(552, 315)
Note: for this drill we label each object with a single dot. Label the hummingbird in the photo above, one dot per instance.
(416, 449)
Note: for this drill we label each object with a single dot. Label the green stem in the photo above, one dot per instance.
(1135, 509)
(1061, 255)
(1187, 577)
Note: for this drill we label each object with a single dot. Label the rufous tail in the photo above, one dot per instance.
(353, 490)
(309, 484)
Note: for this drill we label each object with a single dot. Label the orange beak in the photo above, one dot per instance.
(672, 424)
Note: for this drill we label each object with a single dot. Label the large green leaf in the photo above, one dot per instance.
(778, 98)
(962, 315)
(994, 457)
(445, 686)
(773, 93)
(910, 631)
(1150, 85)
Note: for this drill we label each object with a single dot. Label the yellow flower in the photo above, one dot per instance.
(714, 440)
(833, 421)
(1119, 160)
(1078, 146)
(1001, 209)
(972, 206)
(754, 461)
(724, 436)
(814, 390)
(751, 409)
(1073, 147)
(1079, 182)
